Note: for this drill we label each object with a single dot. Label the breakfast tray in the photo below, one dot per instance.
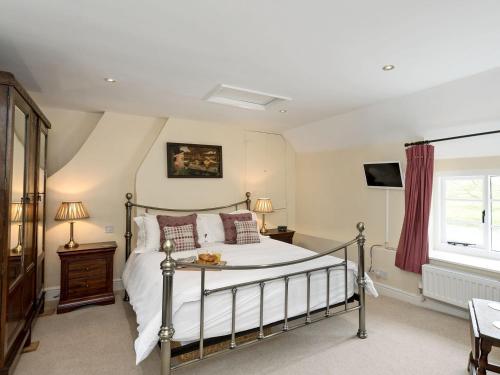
(187, 268)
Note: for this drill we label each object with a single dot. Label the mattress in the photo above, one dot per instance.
(143, 281)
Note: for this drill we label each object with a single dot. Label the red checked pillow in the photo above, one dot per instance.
(246, 232)
(175, 221)
(229, 227)
(181, 235)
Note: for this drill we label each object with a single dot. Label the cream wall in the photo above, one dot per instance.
(332, 196)
(154, 188)
(70, 130)
(468, 164)
(122, 153)
(99, 174)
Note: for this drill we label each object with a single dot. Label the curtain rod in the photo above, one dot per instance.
(450, 138)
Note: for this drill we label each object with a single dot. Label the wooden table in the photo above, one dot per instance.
(484, 336)
(284, 236)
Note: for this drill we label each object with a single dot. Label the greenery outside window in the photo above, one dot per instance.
(467, 214)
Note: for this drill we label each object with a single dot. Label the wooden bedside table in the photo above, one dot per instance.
(86, 275)
(286, 236)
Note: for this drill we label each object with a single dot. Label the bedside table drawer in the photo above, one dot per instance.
(83, 287)
(91, 268)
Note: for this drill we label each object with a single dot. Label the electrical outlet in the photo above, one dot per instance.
(383, 275)
(379, 274)
(109, 229)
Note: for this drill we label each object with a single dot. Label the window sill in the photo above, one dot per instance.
(466, 261)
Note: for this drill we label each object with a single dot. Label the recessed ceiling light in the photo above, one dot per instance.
(283, 111)
(110, 80)
(388, 67)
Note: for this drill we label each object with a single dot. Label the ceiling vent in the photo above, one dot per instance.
(243, 98)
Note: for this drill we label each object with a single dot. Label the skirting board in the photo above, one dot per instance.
(419, 300)
(52, 293)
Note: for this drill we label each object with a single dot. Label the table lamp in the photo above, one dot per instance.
(263, 206)
(71, 211)
(16, 216)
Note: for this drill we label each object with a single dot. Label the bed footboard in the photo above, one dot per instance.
(169, 265)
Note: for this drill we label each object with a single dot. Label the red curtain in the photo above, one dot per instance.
(413, 248)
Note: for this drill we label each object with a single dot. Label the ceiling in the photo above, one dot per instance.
(168, 55)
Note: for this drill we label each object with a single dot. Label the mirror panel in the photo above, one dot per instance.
(41, 193)
(17, 196)
(15, 316)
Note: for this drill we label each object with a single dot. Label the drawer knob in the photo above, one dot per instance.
(86, 268)
(86, 285)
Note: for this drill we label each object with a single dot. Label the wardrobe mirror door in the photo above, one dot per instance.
(40, 204)
(15, 315)
(17, 196)
(41, 194)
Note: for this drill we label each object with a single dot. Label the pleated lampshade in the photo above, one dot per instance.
(16, 212)
(263, 206)
(71, 211)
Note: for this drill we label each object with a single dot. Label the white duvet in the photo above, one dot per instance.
(143, 281)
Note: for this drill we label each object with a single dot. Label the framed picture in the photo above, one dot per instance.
(186, 160)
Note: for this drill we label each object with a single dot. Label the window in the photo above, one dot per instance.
(468, 214)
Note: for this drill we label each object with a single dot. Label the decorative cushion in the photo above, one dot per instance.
(254, 215)
(181, 235)
(175, 221)
(246, 232)
(229, 227)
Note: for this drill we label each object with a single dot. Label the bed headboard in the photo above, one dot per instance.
(129, 205)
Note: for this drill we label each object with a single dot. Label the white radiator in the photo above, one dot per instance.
(456, 287)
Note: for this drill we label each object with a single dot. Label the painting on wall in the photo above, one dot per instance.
(185, 160)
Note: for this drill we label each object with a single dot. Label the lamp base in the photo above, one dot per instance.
(263, 229)
(17, 250)
(71, 244)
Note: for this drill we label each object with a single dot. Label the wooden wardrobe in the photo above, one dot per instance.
(23, 150)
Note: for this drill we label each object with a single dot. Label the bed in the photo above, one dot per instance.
(263, 284)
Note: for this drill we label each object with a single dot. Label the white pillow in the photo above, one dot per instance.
(210, 228)
(151, 237)
(141, 233)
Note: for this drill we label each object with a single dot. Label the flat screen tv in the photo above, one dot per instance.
(384, 175)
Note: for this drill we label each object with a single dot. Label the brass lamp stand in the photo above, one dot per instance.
(18, 249)
(71, 243)
(16, 216)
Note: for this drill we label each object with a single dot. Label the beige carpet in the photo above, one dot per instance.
(403, 339)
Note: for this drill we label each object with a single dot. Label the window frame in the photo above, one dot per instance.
(438, 216)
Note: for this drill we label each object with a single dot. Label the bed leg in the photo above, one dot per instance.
(362, 334)
(167, 330)
(128, 233)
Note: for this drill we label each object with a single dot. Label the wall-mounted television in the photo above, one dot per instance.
(384, 175)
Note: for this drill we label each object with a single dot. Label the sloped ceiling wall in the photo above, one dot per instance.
(70, 130)
(468, 103)
(100, 174)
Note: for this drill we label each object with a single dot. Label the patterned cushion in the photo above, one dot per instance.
(246, 232)
(181, 235)
(229, 228)
(175, 221)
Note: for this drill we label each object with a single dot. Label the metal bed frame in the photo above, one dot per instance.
(169, 265)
